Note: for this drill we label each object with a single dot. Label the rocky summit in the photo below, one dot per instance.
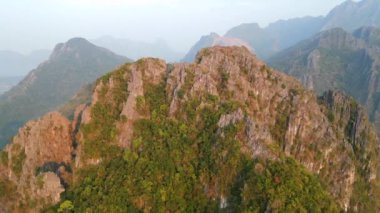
(214, 40)
(226, 132)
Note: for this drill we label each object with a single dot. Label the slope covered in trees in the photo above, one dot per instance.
(226, 133)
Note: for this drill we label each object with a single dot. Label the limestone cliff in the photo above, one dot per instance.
(225, 110)
(34, 164)
(280, 117)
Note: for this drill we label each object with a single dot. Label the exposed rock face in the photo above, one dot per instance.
(277, 117)
(335, 59)
(280, 113)
(353, 120)
(35, 158)
(151, 71)
(280, 118)
(277, 102)
(132, 83)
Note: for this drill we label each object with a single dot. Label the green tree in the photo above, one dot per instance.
(66, 206)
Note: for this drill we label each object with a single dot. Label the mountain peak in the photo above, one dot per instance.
(220, 53)
(248, 26)
(74, 45)
(212, 40)
(351, 15)
(214, 35)
(228, 102)
(77, 41)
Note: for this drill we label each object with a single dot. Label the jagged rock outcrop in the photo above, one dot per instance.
(130, 84)
(352, 119)
(226, 105)
(280, 116)
(34, 164)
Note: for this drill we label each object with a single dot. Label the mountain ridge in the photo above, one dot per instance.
(224, 133)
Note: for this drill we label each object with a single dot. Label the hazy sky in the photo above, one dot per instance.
(40, 24)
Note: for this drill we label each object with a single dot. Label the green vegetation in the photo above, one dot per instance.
(281, 186)
(362, 196)
(3, 158)
(18, 158)
(140, 105)
(224, 78)
(40, 181)
(66, 206)
(7, 189)
(187, 164)
(189, 80)
(280, 127)
(101, 132)
(331, 116)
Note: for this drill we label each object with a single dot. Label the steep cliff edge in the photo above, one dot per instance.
(278, 117)
(33, 165)
(226, 132)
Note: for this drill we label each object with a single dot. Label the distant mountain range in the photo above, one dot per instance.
(136, 50)
(15, 64)
(352, 15)
(282, 34)
(71, 66)
(336, 59)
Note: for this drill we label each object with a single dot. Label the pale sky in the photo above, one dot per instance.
(40, 24)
